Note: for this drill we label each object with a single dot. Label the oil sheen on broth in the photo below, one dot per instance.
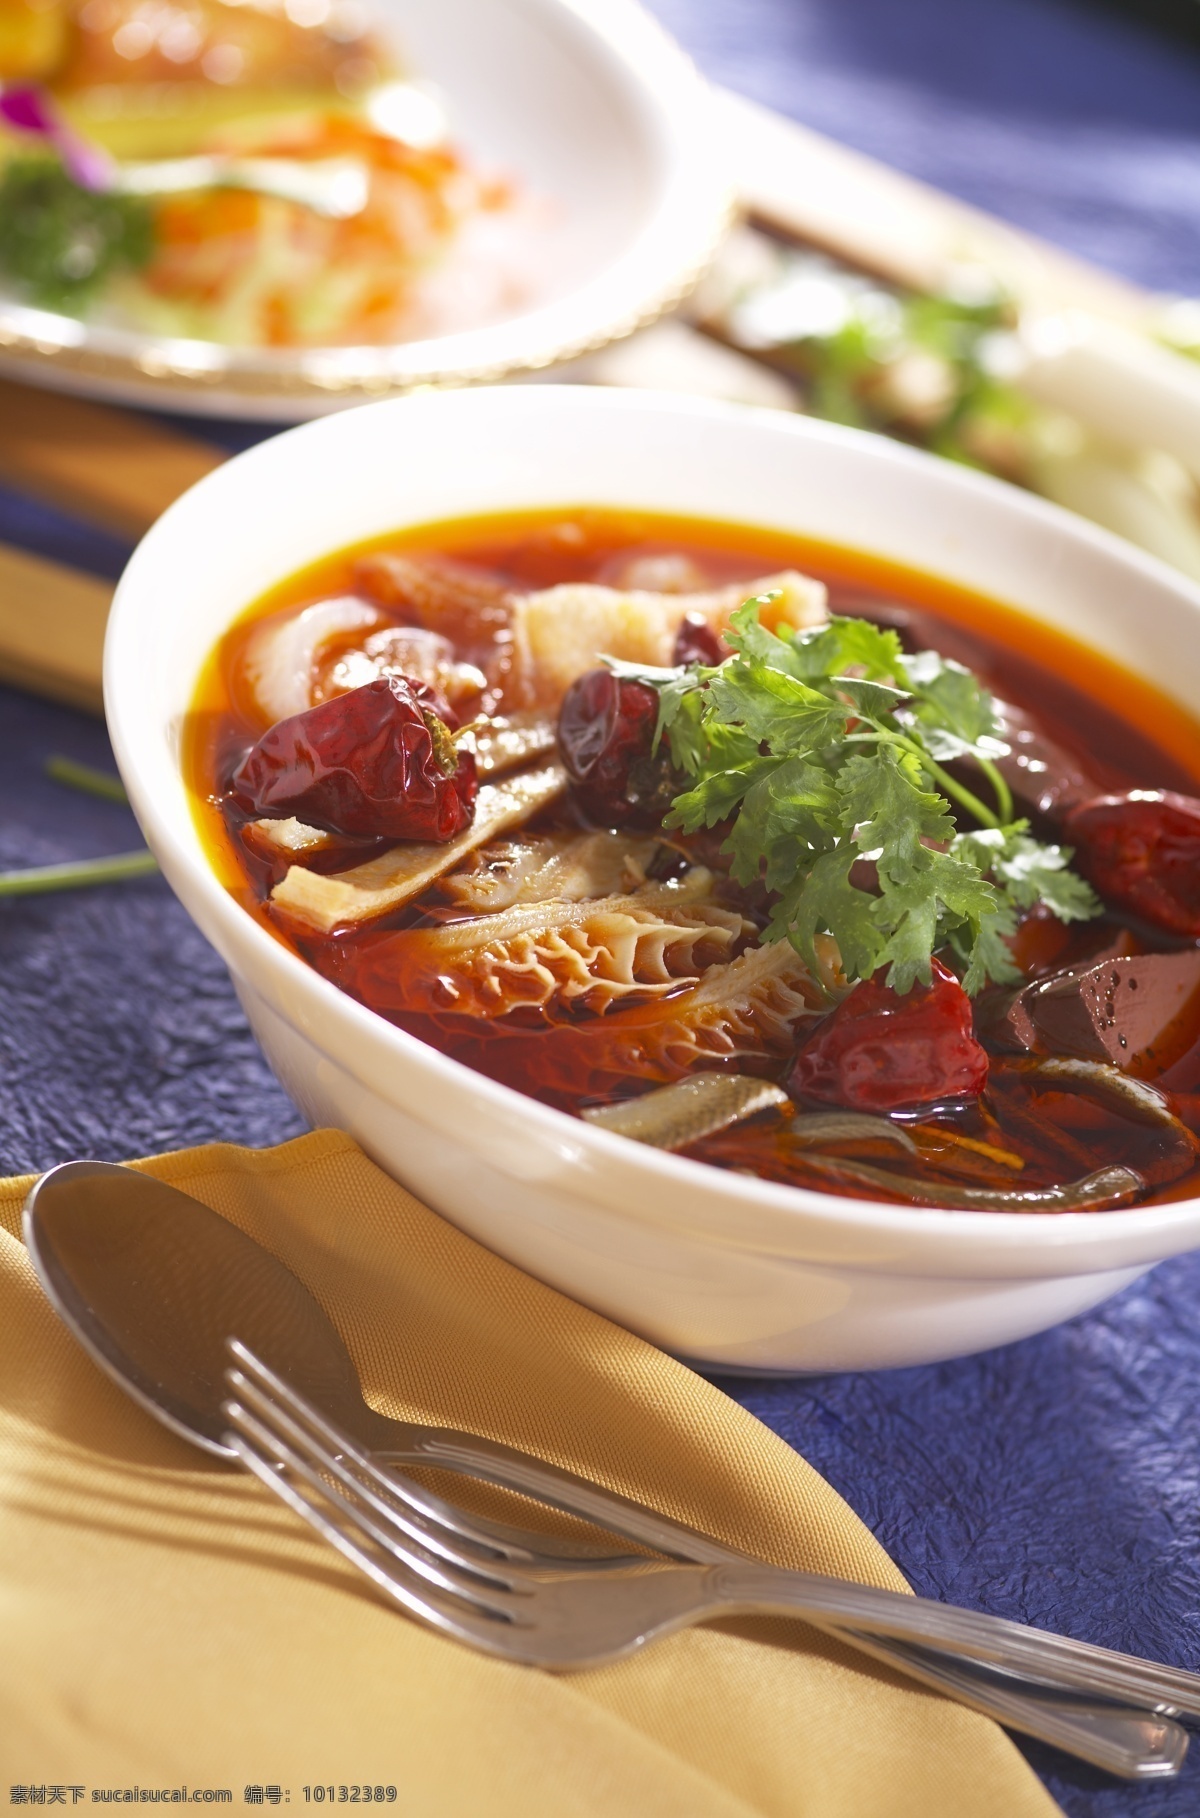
(410, 762)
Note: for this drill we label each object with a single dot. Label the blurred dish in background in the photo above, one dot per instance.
(260, 175)
(285, 178)
(1100, 416)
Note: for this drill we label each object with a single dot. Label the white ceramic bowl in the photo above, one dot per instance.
(597, 112)
(709, 1265)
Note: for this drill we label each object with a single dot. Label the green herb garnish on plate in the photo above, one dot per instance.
(828, 747)
(60, 242)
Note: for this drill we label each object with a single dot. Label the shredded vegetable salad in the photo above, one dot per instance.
(254, 174)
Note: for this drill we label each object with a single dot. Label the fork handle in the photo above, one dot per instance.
(993, 1641)
(1136, 1744)
(1072, 1666)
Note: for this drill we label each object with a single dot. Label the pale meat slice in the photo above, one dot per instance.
(282, 652)
(504, 741)
(407, 650)
(347, 898)
(563, 867)
(292, 842)
(294, 660)
(563, 631)
(287, 839)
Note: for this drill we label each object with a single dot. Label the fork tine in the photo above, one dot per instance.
(315, 1469)
(448, 1615)
(263, 1466)
(311, 1488)
(554, 1622)
(405, 1521)
(483, 1542)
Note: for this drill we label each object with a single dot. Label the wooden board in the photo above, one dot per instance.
(900, 229)
(51, 629)
(112, 467)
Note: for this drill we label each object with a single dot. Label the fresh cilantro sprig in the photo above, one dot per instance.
(828, 746)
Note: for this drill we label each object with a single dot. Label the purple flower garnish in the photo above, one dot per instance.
(30, 110)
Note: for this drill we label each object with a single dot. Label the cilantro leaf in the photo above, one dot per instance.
(789, 815)
(823, 749)
(908, 915)
(868, 698)
(955, 712)
(747, 634)
(987, 956)
(1030, 872)
(874, 651)
(889, 811)
(772, 706)
(821, 899)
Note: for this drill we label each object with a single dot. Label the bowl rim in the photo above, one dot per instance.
(650, 275)
(605, 1167)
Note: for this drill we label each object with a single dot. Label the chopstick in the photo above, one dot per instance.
(51, 628)
(109, 466)
(811, 188)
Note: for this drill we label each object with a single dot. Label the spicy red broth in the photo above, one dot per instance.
(1020, 1133)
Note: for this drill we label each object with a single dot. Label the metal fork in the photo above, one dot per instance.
(411, 1544)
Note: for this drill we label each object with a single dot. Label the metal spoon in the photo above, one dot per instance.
(153, 1284)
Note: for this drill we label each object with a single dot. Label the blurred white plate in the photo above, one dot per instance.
(589, 104)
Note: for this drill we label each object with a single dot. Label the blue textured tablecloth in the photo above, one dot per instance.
(1057, 1481)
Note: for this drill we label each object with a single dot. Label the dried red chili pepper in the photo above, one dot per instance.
(377, 762)
(606, 736)
(1142, 853)
(879, 1051)
(697, 642)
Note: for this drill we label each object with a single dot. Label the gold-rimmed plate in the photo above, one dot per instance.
(595, 112)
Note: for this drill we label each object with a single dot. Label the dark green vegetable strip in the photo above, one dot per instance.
(1137, 1099)
(1097, 1192)
(849, 1127)
(82, 776)
(77, 874)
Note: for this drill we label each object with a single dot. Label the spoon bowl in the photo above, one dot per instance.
(153, 1284)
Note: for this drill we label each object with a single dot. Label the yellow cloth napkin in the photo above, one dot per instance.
(167, 1623)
